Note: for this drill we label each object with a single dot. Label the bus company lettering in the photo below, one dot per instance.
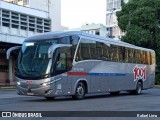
(139, 73)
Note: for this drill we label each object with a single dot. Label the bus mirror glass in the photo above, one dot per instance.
(8, 54)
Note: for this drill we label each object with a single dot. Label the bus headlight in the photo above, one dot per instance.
(18, 83)
(47, 83)
(44, 84)
(51, 82)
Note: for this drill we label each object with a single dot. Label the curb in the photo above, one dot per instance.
(7, 86)
(157, 86)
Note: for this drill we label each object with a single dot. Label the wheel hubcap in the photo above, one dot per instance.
(139, 88)
(80, 91)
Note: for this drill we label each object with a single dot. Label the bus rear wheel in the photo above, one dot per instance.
(80, 91)
(138, 89)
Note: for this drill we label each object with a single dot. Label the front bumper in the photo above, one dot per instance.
(46, 91)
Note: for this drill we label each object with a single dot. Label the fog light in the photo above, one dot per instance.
(48, 91)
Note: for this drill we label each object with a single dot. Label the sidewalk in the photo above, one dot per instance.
(7, 87)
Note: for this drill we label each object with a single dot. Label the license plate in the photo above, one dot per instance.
(30, 93)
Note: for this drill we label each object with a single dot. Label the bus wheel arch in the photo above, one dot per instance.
(80, 90)
(85, 85)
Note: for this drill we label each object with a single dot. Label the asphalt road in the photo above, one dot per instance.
(149, 100)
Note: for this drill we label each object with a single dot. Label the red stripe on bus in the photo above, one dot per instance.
(78, 73)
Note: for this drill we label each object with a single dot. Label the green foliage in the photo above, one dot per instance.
(157, 82)
(144, 17)
(140, 20)
(138, 36)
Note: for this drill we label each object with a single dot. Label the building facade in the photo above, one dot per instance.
(111, 19)
(20, 19)
(96, 29)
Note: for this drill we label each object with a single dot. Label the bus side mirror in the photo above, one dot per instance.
(51, 51)
(10, 50)
(54, 47)
(50, 54)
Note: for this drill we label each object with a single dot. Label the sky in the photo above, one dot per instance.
(75, 13)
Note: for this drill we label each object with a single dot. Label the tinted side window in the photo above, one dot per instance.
(130, 55)
(114, 53)
(89, 49)
(83, 52)
(152, 54)
(147, 56)
(120, 54)
(99, 50)
(93, 50)
(106, 51)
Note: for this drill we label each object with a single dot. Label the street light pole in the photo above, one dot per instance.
(109, 29)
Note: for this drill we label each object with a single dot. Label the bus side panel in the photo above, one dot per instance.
(80, 72)
(150, 77)
(61, 84)
(114, 76)
(105, 76)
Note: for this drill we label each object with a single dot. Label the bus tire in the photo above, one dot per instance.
(80, 91)
(49, 98)
(138, 89)
(114, 93)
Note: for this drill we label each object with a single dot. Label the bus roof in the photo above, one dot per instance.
(50, 35)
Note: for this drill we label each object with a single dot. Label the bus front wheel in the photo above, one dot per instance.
(80, 91)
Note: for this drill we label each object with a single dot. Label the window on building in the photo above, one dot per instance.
(111, 18)
(97, 33)
(24, 22)
(117, 32)
(111, 4)
(26, 2)
(5, 18)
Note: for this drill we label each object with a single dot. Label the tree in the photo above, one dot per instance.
(140, 20)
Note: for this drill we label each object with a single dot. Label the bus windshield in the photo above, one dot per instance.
(33, 60)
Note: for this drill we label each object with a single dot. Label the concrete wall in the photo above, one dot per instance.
(39, 4)
(53, 7)
(55, 15)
